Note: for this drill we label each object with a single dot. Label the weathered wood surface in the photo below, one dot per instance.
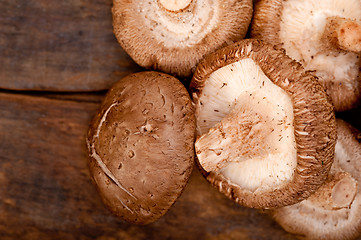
(65, 45)
(46, 191)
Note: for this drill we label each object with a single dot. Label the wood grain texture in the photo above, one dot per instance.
(46, 191)
(65, 45)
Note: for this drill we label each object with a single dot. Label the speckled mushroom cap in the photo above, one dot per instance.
(324, 36)
(172, 36)
(141, 145)
(333, 211)
(266, 128)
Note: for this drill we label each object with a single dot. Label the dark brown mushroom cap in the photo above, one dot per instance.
(174, 42)
(141, 145)
(314, 122)
(336, 67)
(334, 210)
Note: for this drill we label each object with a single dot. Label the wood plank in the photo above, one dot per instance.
(64, 45)
(46, 191)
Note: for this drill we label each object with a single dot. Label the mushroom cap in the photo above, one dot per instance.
(333, 211)
(175, 41)
(312, 124)
(141, 145)
(305, 29)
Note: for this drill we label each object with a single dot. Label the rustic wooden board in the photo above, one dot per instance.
(63, 45)
(46, 192)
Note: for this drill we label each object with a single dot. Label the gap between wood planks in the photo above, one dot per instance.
(89, 97)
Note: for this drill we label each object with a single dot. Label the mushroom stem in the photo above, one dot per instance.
(343, 33)
(175, 5)
(337, 192)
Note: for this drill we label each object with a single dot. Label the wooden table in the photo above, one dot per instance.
(68, 46)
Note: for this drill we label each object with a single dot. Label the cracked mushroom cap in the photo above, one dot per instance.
(173, 36)
(141, 146)
(334, 210)
(324, 36)
(266, 128)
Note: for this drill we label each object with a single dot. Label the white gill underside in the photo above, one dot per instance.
(252, 137)
(326, 212)
(319, 221)
(302, 25)
(183, 29)
(347, 160)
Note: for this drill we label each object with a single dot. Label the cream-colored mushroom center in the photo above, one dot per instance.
(177, 29)
(246, 123)
(335, 207)
(175, 5)
(337, 192)
(302, 28)
(318, 219)
(344, 192)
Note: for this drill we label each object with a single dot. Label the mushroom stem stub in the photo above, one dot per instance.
(344, 192)
(175, 5)
(344, 34)
(337, 192)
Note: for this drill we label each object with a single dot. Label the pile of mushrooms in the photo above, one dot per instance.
(261, 120)
(141, 142)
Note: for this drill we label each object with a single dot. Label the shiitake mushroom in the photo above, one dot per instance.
(141, 146)
(173, 36)
(266, 128)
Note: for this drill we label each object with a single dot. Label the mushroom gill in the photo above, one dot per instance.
(334, 210)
